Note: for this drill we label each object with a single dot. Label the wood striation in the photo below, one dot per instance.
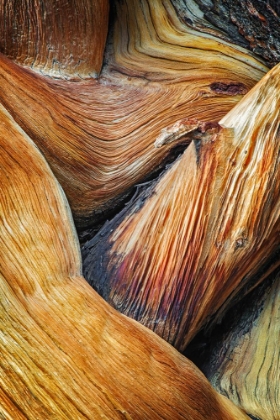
(204, 230)
(98, 135)
(243, 361)
(252, 24)
(65, 353)
(61, 39)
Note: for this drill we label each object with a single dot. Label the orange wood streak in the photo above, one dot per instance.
(98, 135)
(65, 353)
(8, 409)
(210, 224)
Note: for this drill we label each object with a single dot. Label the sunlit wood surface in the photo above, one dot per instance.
(189, 243)
(98, 135)
(65, 353)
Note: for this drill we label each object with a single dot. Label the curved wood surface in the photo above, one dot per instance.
(243, 361)
(98, 135)
(204, 230)
(65, 353)
(59, 39)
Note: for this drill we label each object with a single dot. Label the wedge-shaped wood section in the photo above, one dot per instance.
(243, 362)
(65, 353)
(62, 39)
(191, 241)
(98, 135)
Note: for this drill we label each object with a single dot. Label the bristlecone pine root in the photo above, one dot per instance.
(65, 353)
(204, 230)
(243, 361)
(98, 134)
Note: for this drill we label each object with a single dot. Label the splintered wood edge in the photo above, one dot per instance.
(185, 248)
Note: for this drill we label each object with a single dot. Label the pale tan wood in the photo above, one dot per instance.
(98, 135)
(151, 41)
(188, 245)
(60, 39)
(65, 353)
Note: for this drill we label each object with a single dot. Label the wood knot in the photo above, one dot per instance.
(229, 89)
(240, 243)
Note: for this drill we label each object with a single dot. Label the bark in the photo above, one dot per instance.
(65, 354)
(185, 247)
(252, 24)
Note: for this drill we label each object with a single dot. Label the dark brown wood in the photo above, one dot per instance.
(252, 24)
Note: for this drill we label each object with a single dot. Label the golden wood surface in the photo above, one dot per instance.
(244, 364)
(65, 353)
(188, 245)
(98, 135)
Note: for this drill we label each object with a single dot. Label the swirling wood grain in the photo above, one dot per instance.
(98, 135)
(203, 230)
(65, 353)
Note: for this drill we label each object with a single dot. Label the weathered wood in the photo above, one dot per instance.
(65, 353)
(242, 361)
(189, 244)
(62, 39)
(252, 24)
(98, 135)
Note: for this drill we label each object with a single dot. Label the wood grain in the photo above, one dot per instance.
(65, 353)
(187, 245)
(98, 135)
(253, 24)
(60, 39)
(242, 362)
